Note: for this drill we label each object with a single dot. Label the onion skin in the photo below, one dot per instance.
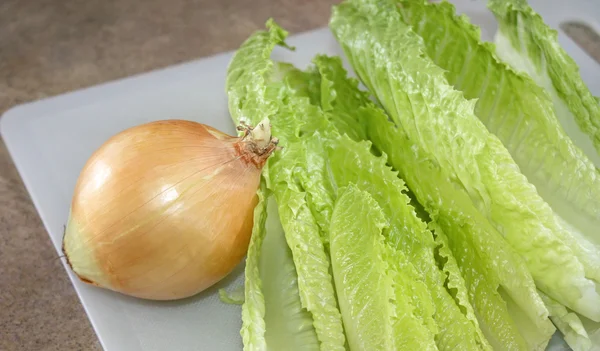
(164, 210)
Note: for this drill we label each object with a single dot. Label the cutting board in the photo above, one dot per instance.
(51, 139)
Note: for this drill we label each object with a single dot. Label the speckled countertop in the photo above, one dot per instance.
(48, 47)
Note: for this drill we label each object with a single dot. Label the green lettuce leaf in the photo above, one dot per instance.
(317, 172)
(312, 175)
(372, 287)
(350, 162)
(253, 309)
(593, 331)
(233, 297)
(312, 263)
(346, 162)
(248, 76)
(521, 115)
(272, 314)
(391, 61)
(254, 93)
(569, 324)
(343, 162)
(531, 46)
(488, 265)
(496, 265)
(288, 325)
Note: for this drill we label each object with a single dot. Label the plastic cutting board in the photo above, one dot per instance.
(51, 139)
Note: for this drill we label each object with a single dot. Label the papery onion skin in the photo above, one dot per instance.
(164, 210)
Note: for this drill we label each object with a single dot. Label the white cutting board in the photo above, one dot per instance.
(51, 139)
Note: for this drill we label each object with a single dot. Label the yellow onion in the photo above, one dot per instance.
(164, 210)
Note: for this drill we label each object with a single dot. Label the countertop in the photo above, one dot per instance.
(48, 47)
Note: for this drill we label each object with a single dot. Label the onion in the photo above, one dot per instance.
(164, 210)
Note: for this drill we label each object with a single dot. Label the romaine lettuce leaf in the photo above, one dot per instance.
(521, 114)
(593, 331)
(346, 162)
(272, 314)
(487, 253)
(233, 297)
(391, 61)
(488, 265)
(499, 267)
(337, 161)
(372, 287)
(313, 175)
(529, 45)
(253, 309)
(312, 262)
(569, 324)
(288, 326)
(319, 176)
(249, 73)
(255, 93)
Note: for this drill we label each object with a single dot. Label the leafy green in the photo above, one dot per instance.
(318, 175)
(307, 168)
(288, 324)
(253, 309)
(497, 265)
(345, 215)
(249, 73)
(351, 162)
(272, 314)
(521, 115)
(373, 289)
(593, 331)
(345, 163)
(391, 61)
(528, 44)
(312, 263)
(487, 263)
(233, 297)
(347, 109)
(254, 93)
(568, 323)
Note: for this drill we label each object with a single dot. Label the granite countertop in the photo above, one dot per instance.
(48, 47)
